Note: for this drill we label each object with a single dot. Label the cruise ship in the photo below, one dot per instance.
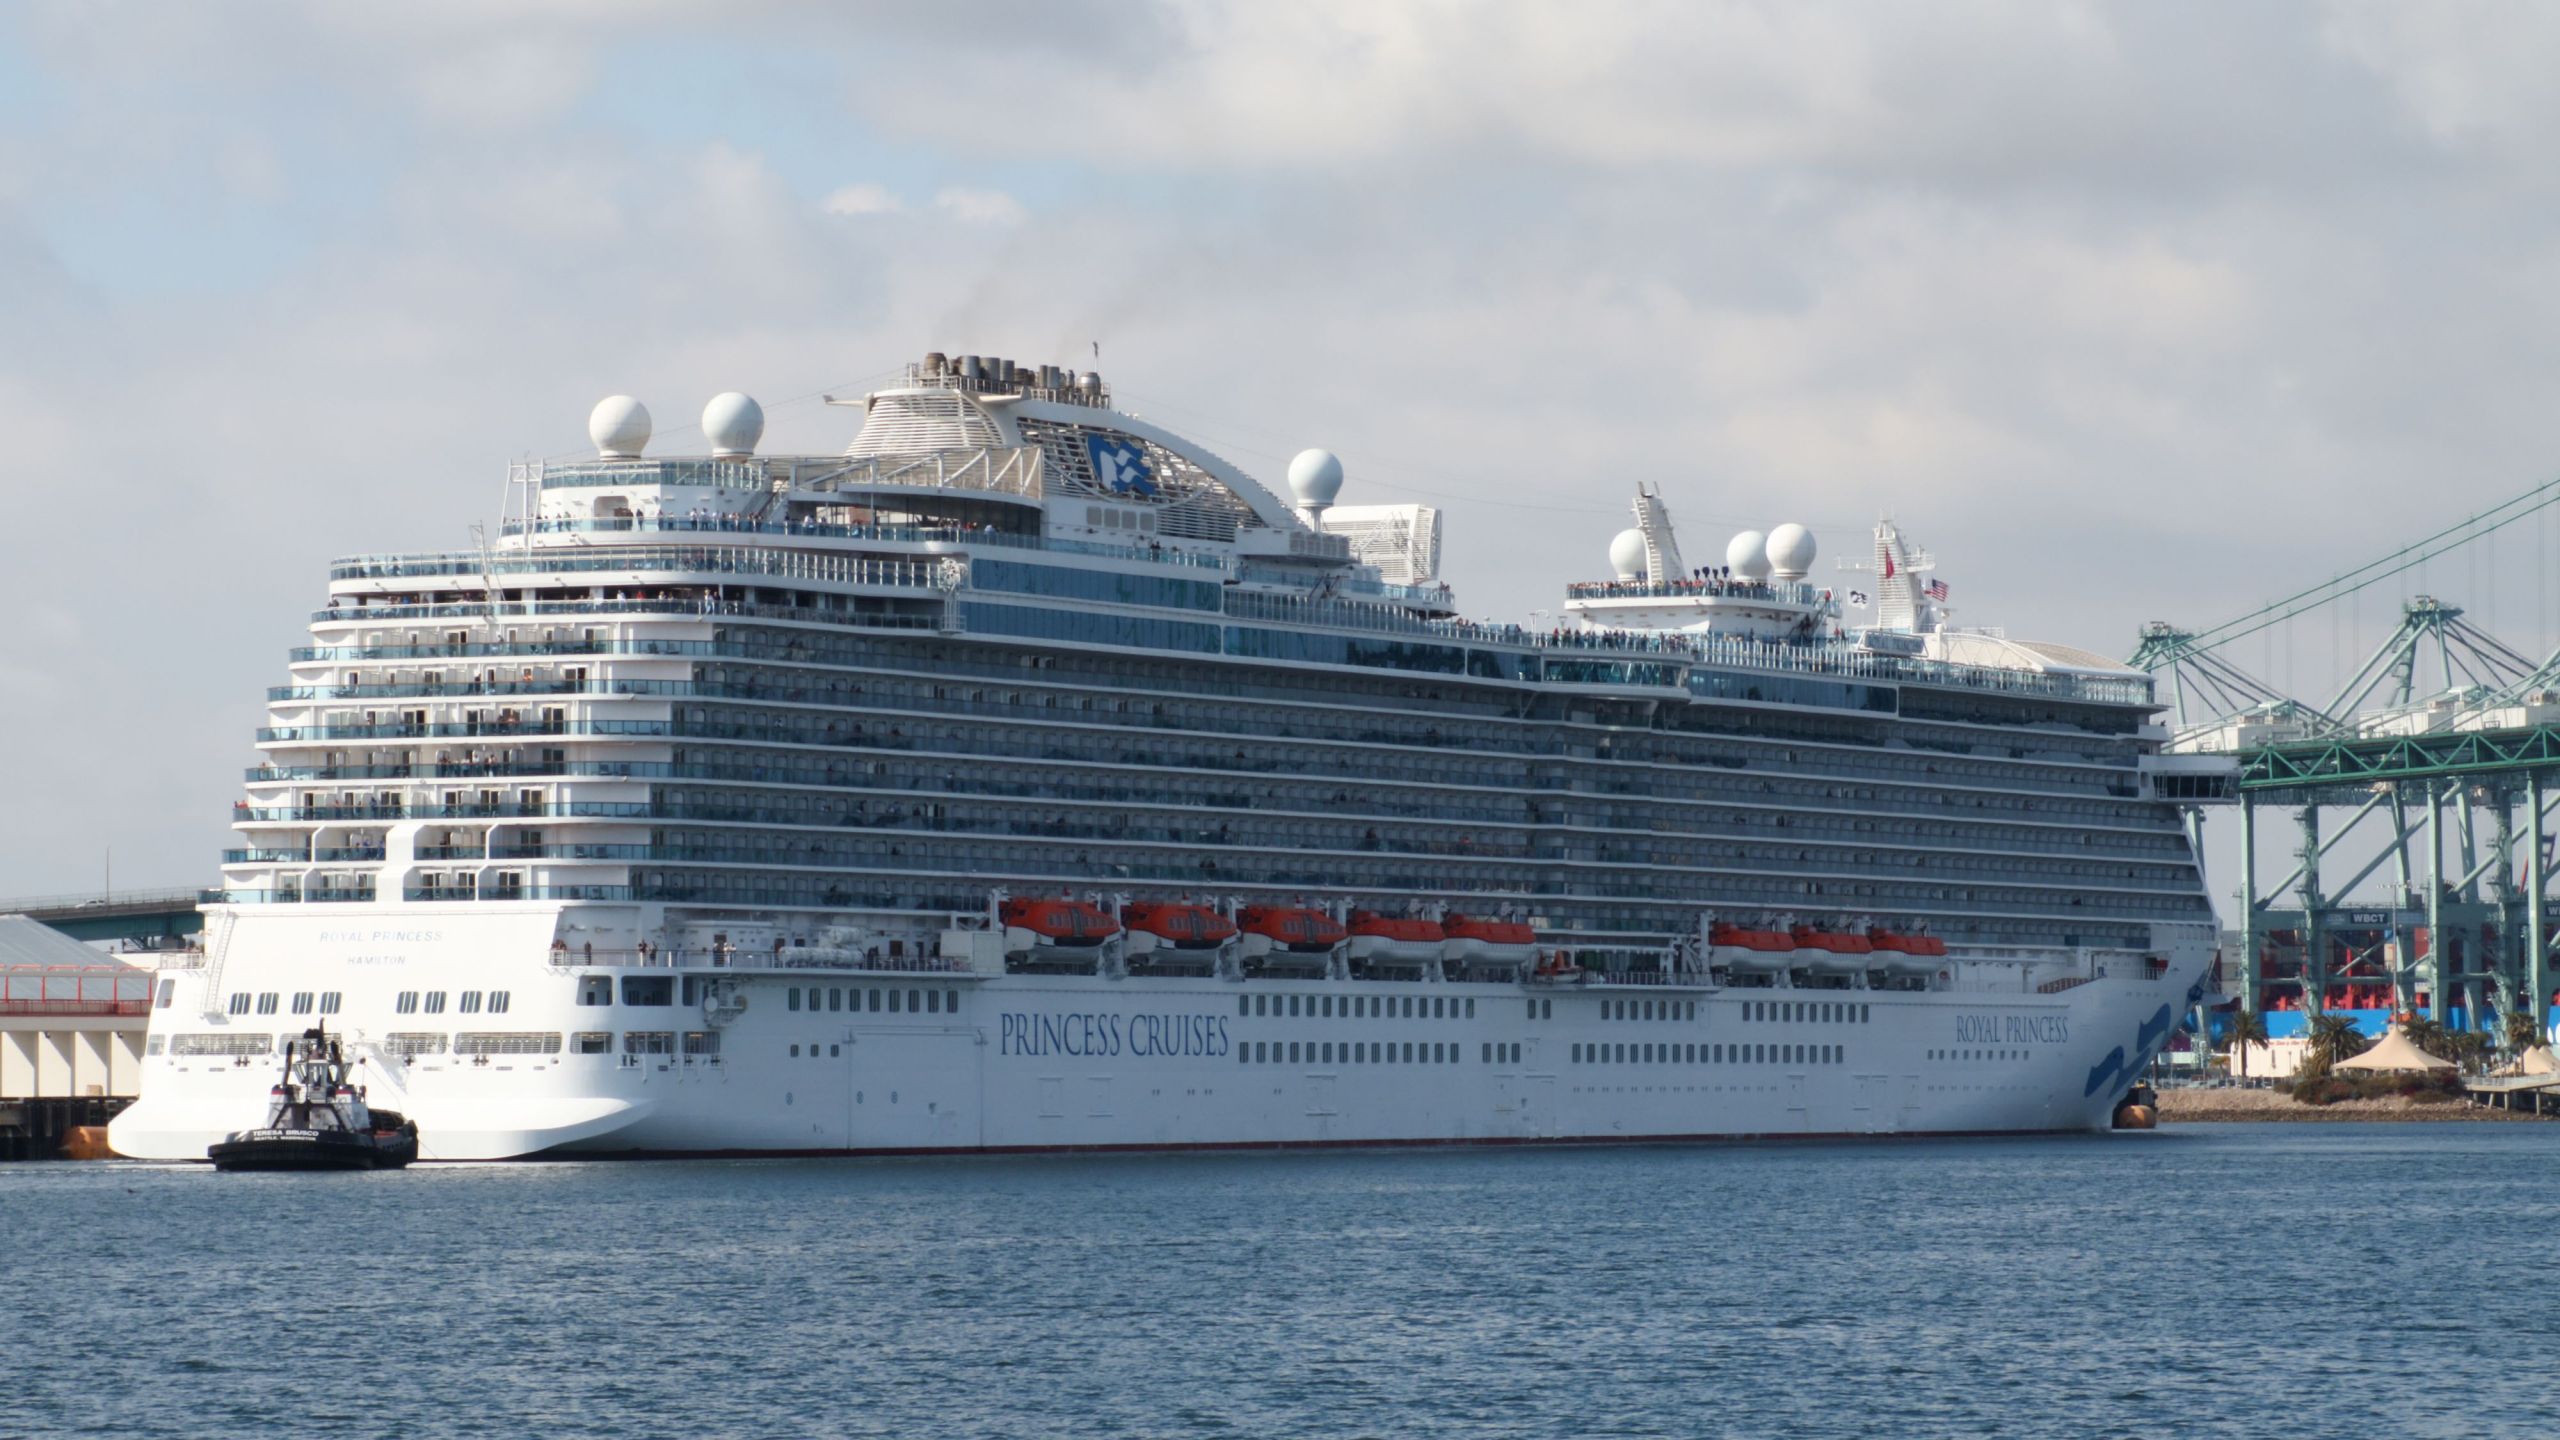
(1028, 777)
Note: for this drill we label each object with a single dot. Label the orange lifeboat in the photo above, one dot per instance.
(1293, 928)
(1376, 937)
(1905, 957)
(1473, 938)
(1041, 922)
(1171, 922)
(1750, 952)
(1831, 952)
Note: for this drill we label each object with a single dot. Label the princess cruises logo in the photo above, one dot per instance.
(1120, 466)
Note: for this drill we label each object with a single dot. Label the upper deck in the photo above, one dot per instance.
(977, 486)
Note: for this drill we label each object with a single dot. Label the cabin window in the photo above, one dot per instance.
(470, 1004)
(240, 1002)
(435, 1002)
(791, 998)
(301, 1002)
(1471, 1009)
(168, 993)
(406, 1003)
(875, 1001)
(498, 1000)
(1293, 1052)
(591, 1042)
(648, 990)
(329, 1000)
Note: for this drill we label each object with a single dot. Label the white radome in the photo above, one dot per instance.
(733, 423)
(1791, 551)
(1626, 555)
(1315, 477)
(620, 427)
(1747, 555)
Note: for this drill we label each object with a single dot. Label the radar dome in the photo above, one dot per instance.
(733, 423)
(1747, 555)
(1315, 477)
(620, 427)
(1626, 555)
(1791, 552)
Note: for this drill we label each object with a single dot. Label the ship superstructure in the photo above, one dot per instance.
(1027, 776)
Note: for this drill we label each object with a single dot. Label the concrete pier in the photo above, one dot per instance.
(72, 1020)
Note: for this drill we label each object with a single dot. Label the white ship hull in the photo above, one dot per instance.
(1071, 1062)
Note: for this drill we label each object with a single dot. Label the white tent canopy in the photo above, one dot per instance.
(2394, 1052)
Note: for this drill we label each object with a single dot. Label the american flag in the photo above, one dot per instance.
(1937, 589)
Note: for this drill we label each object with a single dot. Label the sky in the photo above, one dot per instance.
(2128, 312)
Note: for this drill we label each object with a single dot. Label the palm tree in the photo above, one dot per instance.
(2428, 1036)
(2333, 1038)
(2247, 1028)
(2522, 1033)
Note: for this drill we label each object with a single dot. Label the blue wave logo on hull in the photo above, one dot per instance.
(2146, 1043)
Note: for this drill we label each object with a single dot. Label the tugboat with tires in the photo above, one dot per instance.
(318, 1119)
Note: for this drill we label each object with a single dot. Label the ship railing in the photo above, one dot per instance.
(748, 960)
(760, 562)
(704, 602)
(497, 892)
(889, 534)
(749, 474)
(75, 1007)
(1795, 592)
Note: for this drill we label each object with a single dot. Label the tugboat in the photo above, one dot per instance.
(318, 1120)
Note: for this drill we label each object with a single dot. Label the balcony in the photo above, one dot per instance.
(522, 892)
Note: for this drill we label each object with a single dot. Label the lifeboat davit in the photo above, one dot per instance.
(1169, 922)
(1392, 937)
(1473, 939)
(1906, 957)
(1750, 952)
(1053, 923)
(1832, 952)
(1292, 928)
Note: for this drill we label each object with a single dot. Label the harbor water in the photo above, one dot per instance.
(2224, 1280)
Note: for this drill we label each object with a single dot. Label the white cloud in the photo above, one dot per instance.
(864, 199)
(980, 207)
(2120, 322)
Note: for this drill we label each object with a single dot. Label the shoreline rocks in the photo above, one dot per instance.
(2184, 1106)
